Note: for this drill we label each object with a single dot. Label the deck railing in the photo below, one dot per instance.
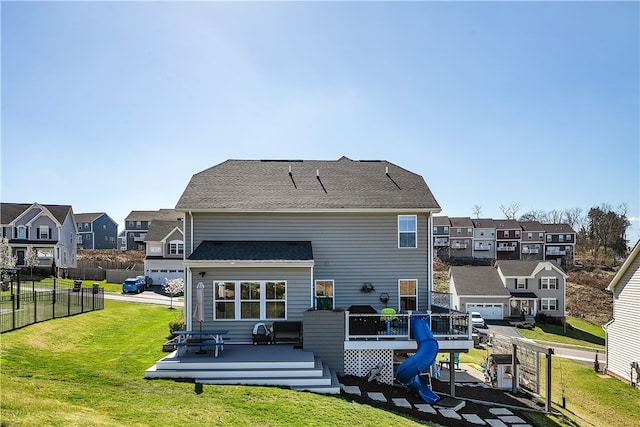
(447, 326)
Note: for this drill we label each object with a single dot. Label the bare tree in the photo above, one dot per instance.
(477, 211)
(555, 216)
(31, 259)
(510, 211)
(7, 262)
(574, 218)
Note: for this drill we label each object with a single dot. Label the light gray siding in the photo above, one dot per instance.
(558, 294)
(348, 248)
(324, 336)
(298, 296)
(623, 334)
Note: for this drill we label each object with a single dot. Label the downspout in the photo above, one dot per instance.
(430, 262)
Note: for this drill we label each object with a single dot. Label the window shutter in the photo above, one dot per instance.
(539, 304)
(526, 283)
(50, 237)
(556, 305)
(539, 283)
(515, 283)
(37, 232)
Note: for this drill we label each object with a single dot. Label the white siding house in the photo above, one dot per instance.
(623, 332)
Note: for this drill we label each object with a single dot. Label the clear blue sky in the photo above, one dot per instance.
(113, 106)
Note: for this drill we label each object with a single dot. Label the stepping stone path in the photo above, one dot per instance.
(503, 416)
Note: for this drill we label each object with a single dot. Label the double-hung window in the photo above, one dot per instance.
(324, 295)
(549, 283)
(548, 304)
(521, 283)
(408, 294)
(407, 231)
(44, 232)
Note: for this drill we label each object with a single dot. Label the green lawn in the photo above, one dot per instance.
(582, 333)
(87, 370)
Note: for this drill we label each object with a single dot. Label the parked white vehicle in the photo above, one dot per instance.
(477, 320)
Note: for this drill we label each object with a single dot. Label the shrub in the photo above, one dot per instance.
(176, 325)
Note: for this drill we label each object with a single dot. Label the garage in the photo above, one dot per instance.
(487, 310)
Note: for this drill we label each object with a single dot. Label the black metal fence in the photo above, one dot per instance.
(23, 303)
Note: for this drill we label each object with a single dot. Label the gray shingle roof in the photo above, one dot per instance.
(484, 223)
(522, 268)
(158, 230)
(312, 184)
(558, 228)
(507, 224)
(441, 221)
(478, 280)
(10, 211)
(160, 214)
(531, 226)
(253, 251)
(87, 217)
(461, 222)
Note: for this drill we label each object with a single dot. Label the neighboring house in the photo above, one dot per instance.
(510, 289)
(461, 237)
(507, 239)
(122, 240)
(96, 231)
(441, 226)
(136, 225)
(560, 241)
(479, 288)
(532, 242)
(623, 332)
(535, 287)
(484, 238)
(272, 239)
(48, 229)
(165, 251)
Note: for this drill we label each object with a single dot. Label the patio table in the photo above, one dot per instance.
(211, 338)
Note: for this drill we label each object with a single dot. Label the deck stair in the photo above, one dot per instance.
(274, 365)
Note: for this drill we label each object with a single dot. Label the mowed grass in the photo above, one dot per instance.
(582, 334)
(87, 370)
(591, 399)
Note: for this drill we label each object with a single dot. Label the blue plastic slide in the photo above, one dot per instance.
(409, 371)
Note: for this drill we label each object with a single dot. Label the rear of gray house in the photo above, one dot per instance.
(272, 239)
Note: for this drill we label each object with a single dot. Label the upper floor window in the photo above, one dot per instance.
(446, 229)
(506, 233)
(21, 232)
(458, 231)
(561, 238)
(549, 283)
(469, 231)
(517, 233)
(79, 227)
(138, 224)
(176, 247)
(548, 237)
(407, 231)
(568, 237)
(521, 283)
(529, 236)
(79, 237)
(86, 225)
(130, 224)
(43, 231)
(540, 236)
(435, 229)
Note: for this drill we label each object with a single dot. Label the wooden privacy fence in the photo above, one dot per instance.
(29, 302)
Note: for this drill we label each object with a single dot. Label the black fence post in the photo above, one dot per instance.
(69, 295)
(18, 293)
(35, 300)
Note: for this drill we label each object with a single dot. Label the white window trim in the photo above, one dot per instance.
(238, 300)
(400, 296)
(548, 302)
(546, 282)
(522, 285)
(415, 232)
(333, 296)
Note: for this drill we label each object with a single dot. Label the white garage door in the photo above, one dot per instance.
(488, 311)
